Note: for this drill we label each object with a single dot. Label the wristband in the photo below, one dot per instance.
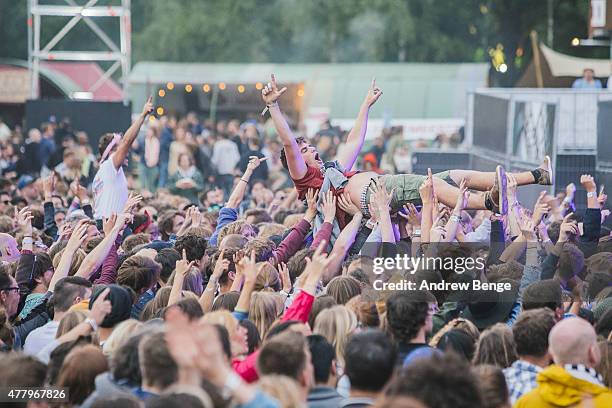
(416, 232)
(246, 181)
(455, 218)
(27, 241)
(92, 323)
(268, 106)
(592, 194)
(371, 224)
(85, 202)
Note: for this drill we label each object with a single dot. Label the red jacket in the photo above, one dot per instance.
(299, 310)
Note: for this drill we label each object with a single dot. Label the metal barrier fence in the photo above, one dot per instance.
(517, 127)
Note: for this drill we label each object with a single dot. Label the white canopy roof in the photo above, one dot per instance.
(562, 65)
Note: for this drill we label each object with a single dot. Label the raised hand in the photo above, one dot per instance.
(311, 203)
(283, 271)
(426, 190)
(109, 223)
(24, 220)
(412, 215)
(250, 268)
(78, 236)
(373, 93)
(49, 186)
(183, 266)
(540, 209)
(588, 182)
(270, 93)
(186, 224)
(195, 215)
(122, 220)
(462, 197)
(602, 197)
(131, 203)
(568, 228)
(221, 265)
(346, 205)
(437, 233)
(380, 197)
(64, 232)
(255, 161)
(101, 307)
(147, 109)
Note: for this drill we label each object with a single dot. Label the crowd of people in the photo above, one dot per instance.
(234, 266)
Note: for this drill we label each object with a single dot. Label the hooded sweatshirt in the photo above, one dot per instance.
(558, 388)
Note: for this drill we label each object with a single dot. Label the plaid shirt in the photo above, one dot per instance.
(521, 378)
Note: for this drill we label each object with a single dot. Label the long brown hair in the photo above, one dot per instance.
(492, 386)
(496, 347)
(79, 371)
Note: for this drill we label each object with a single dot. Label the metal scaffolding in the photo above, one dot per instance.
(87, 13)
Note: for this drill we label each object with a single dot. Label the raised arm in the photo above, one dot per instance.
(315, 268)
(453, 222)
(381, 198)
(251, 270)
(125, 144)
(238, 192)
(94, 259)
(355, 138)
(77, 238)
(208, 296)
(182, 268)
(270, 94)
(343, 244)
(49, 209)
(426, 191)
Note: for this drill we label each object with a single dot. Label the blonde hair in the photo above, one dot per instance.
(268, 279)
(343, 288)
(69, 322)
(159, 302)
(264, 309)
(292, 219)
(77, 260)
(201, 231)
(223, 318)
(496, 347)
(119, 335)
(336, 324)
(269, 229)
(282, 388)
